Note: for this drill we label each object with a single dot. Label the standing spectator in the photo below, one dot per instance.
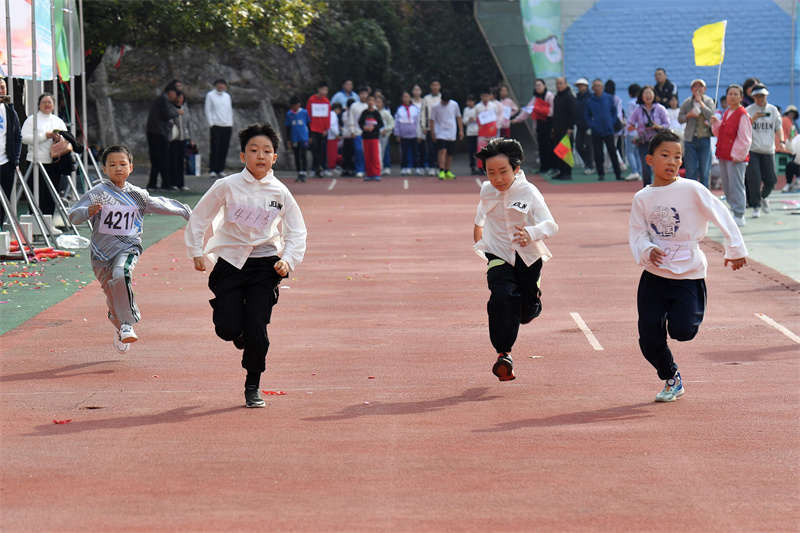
(416, 99)
(564, 116)
(348, 142)
(619, 126)
(334, 135)
(345, 94)
(664, 88)
(509, 110)
(648, 119)
(760, 178)
(355, 114)
(540, 109)
(673, 112)
(428, 103)
(406, 122)
(469, 118)
(386, 133)
(297, 121)
(159, 126)
(734, 134)
(219, 115)
(789, 133)
(445, 127)
(10, 144)
(179, 137)
(631, 152)
(696, 112)
(320, 110)
(747, 87)
(370, 122)
(601, 115)
(583, 138)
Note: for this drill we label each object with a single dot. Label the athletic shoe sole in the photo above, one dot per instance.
(503, 369)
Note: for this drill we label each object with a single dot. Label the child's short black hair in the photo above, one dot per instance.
(470, 98)
(322, 84)
(293, 100)
(362, 89)
(220, 80)
(633, 90)
(663, 136)
(350, 101)
(336, 105)
(446, 95)
(435, 79)
(116, 149)
(256, 129)
(502, 146)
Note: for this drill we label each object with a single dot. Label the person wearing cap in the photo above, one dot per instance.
(760, 177)
(696, 112)
(664, 88)
(583, 139)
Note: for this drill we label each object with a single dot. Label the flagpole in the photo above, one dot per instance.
(34, 106)
(55, 61)
(716, 94)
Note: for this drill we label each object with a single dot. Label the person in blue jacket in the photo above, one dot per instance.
(601, 115)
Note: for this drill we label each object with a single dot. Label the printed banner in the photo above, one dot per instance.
(541, 21)
(22, 43)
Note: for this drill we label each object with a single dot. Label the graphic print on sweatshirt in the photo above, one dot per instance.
(665, 221)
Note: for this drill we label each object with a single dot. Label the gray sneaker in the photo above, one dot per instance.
(673, 389)
(765, 206)
(252, 397)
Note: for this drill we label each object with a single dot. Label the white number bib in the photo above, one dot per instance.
(251, 216)
(675, 250)
(319, 110)
(487, 117)
(118, 219)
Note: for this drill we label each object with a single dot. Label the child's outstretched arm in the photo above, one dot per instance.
(167, 206)
(735, 249)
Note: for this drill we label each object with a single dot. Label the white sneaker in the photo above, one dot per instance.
(387, 171)
(432, 171)
(740, 221)
(419, 171)
(765, 205)
(795, 186)
(787, 187)
(633, 176)
(126, 334)
(121, 347)
(327, 173)
(756, 212)
(588, 171)
(360, 174)
(673, 389)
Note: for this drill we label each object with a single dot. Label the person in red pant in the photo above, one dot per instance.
(371, 124)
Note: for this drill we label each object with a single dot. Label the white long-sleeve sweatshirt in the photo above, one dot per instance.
(674, 218)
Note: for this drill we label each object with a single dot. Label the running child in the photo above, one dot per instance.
(258, 240)
(668, 220)
(511, 223)
(116, 210)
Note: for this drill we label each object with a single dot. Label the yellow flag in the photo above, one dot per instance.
(709, 44)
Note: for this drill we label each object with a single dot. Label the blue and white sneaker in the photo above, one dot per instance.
(672, 389)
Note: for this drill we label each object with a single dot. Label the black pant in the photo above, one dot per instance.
(220, 141)
(760, 170)
(348, 156)
(158, 146)
(300, 159)
(583, 144)
(319, 151)
(514, 300)
(46, 201)
(472, 148)
(177, 154)
(544, 136)
(792, 171)
(674, 306)
(599, 159)
(242, 303)
(7, 181)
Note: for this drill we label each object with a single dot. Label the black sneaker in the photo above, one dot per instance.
(252, 398)
(504, 368)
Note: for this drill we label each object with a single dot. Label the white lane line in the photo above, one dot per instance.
(479, 182)
(332, 185)
(586, 331)
(405, 184)
(777, 326)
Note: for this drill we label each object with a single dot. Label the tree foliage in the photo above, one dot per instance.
(393, 45)
(198, 23)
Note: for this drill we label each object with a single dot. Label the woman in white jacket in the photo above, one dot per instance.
(47, 127)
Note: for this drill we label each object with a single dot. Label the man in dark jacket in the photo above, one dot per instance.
(664, 88)
(583, 139)
(564, 117)
(601, 115)
(11, 131)
(159, 127)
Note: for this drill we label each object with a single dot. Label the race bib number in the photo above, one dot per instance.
(118, 219)
(487, 116)
(251, 216)
(506, 112)
(319, 110)
(676, 250)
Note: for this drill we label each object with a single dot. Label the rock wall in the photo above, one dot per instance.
(123, 87)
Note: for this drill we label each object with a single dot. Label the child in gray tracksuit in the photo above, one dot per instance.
(116, 210)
